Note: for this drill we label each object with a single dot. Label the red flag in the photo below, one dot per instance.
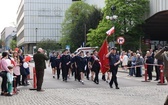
(110, 31)
(102, 56)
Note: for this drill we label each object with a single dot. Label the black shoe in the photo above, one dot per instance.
(2, 94)
(82, 82)
(110, 85)
(53, 76)
(40, 90)
(9, 94)
(160, 82)
(156, 79)
(117, 88)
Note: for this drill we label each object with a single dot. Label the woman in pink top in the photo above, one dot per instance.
(4, 67)
(16, 68)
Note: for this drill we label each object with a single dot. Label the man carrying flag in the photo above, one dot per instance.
(110, 31)
(103, 59)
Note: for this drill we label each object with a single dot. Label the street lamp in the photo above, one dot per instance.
(112, 18)
(36, 35)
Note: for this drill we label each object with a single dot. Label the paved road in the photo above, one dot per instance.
(132, 92)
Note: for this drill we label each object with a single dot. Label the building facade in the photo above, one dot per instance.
(38, 20)
(157, 6)
(42, 19)
(6, 34)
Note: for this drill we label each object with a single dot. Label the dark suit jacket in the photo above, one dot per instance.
(39, 60)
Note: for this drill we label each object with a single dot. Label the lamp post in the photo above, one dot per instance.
(34, 47)
(36, 35)
(112, 18)
(84, 35)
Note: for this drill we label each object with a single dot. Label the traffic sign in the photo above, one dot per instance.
(120, 40)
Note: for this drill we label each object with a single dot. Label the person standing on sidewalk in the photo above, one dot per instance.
(149, 62)
(114, 61)
(163, 56)
(4, 70)
(40, 65)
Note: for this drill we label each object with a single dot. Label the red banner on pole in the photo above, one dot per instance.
(102, 56)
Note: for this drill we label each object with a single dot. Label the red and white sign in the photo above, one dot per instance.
(120, 40)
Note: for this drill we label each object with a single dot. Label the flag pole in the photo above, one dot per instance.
(106, 37)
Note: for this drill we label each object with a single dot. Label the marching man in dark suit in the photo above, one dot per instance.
(40, 65)
(114, 61)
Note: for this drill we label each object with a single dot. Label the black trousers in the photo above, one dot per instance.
(138, 72)
(39, 76)
(65, 70)
(157, 70)
(149, 71)
(96, 79)
(114, 70)
(78, 74)
(4, 82)
(58, 72)
(24, 79)
(87, 73)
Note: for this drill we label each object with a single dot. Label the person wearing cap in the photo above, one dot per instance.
(114, 61)
(40, 65)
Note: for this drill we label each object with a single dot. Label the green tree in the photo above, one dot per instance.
(13, 44)
(79, 18)
(49, 45)
(1, 43)
(130, 14)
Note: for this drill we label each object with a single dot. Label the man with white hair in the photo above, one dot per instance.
(39, 59)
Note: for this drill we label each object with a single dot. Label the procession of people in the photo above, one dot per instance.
(79, 65)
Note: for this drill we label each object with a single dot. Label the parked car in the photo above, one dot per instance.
(85, 49)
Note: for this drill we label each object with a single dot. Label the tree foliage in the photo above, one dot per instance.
(130, 14)
(13, 44)
(48, 45)
(1, 43)
(79, 18)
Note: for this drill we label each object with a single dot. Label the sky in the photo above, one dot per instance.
(8, 10)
